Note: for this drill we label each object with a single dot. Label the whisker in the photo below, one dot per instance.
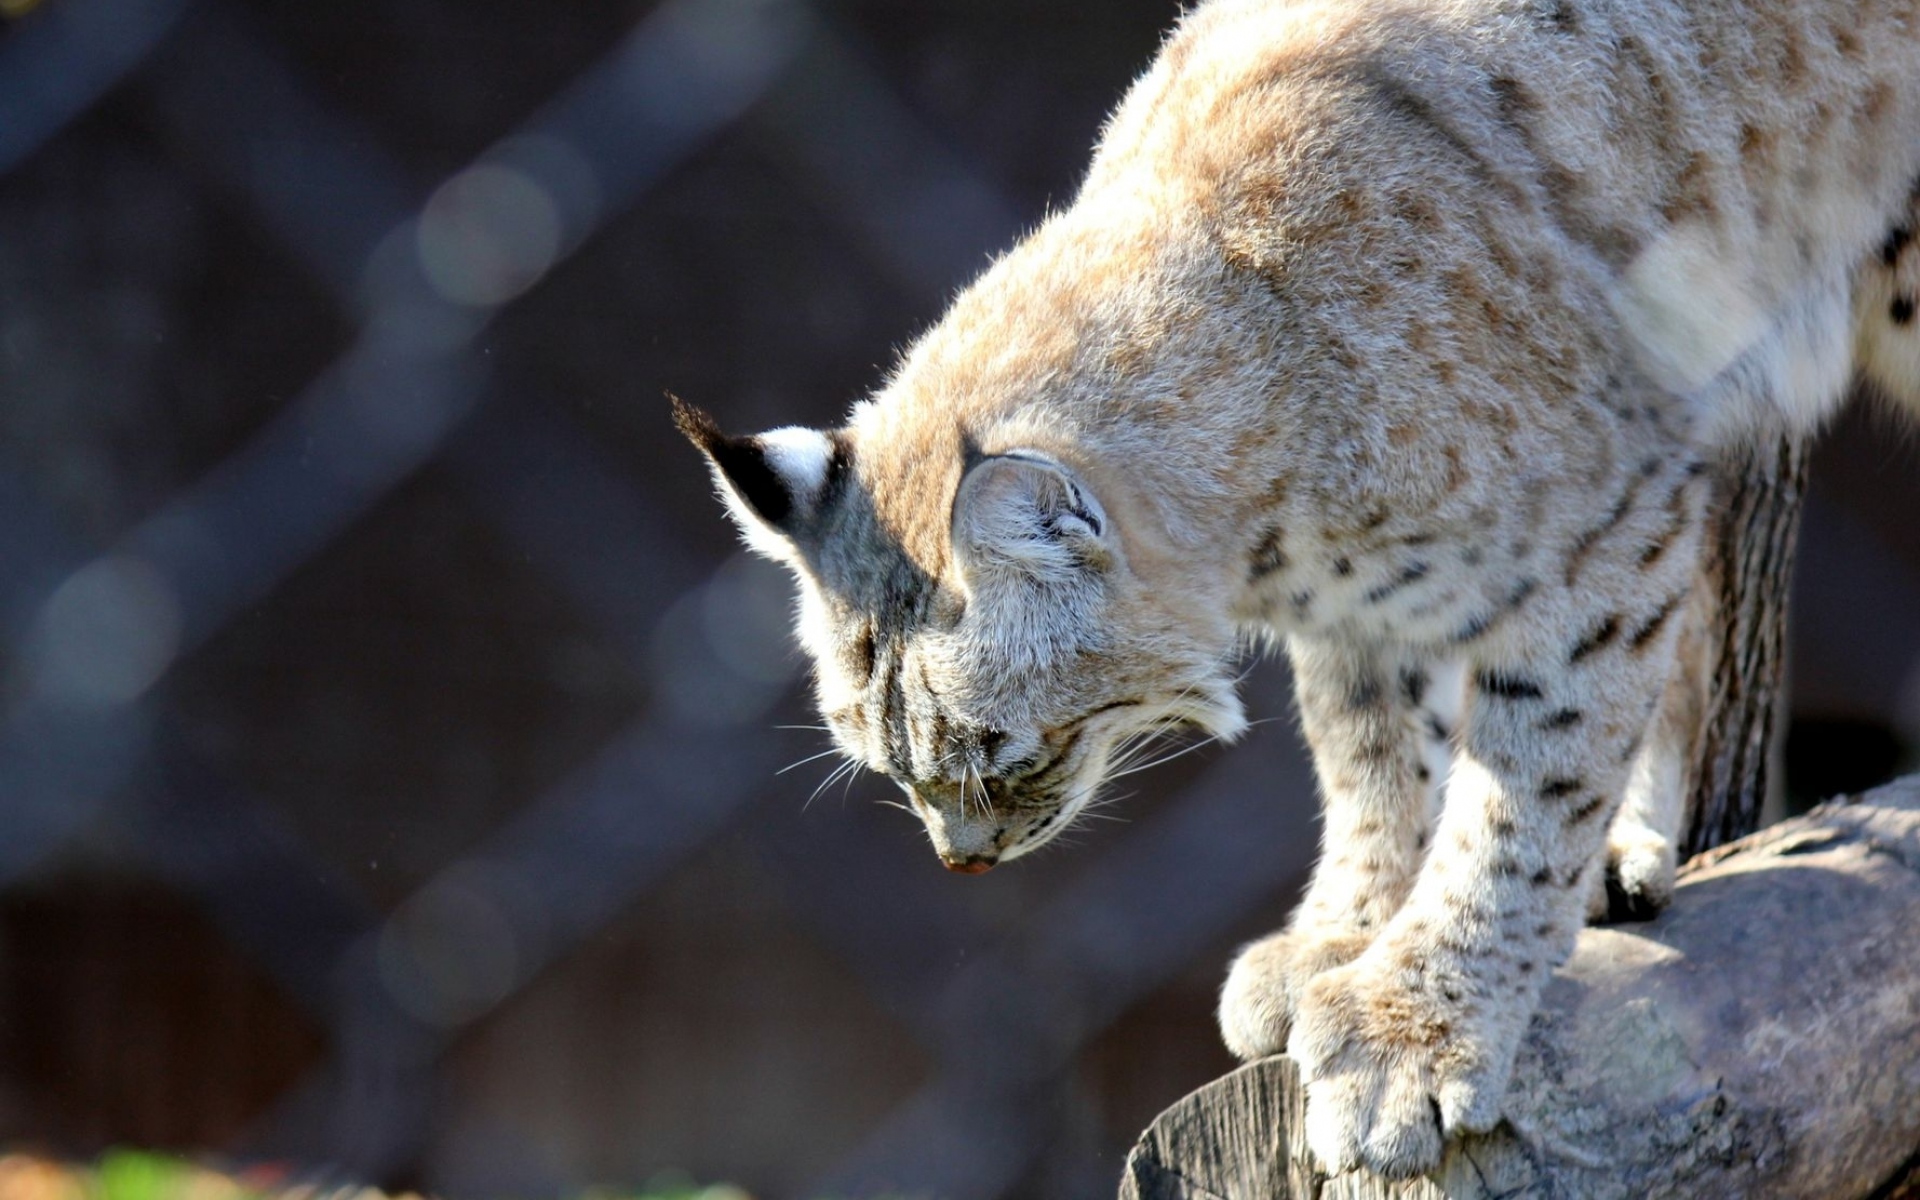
(1138, 745)
(979, 790)
(1091, 810)
(809, 758)
(845, 769)
(1182, 752)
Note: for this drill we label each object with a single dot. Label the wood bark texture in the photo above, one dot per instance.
(1760, 1038)
(1748, 573)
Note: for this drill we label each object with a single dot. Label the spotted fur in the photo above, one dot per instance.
(1400, 333)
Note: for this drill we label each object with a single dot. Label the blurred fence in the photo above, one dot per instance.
(418, 274)
(387, 556)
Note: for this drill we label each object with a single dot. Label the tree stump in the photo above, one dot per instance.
(1746, 575)
(1760, 1038)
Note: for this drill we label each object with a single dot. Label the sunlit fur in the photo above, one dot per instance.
(1404, 333)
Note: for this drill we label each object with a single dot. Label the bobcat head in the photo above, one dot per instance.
(979, 630)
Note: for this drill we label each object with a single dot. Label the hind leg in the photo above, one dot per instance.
(1643, 841)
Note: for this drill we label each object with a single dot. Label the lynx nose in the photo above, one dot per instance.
(969, 843)
(976, 865)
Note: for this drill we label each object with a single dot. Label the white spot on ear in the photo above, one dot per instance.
(800, 456)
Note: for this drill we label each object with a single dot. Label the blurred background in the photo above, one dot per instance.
(391, 759)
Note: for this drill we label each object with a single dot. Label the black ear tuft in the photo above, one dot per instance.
(694, 424)
(741, 461)
(770, 479)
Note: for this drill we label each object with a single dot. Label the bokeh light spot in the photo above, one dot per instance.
(449, 953)
(106, 634)
(487, 235)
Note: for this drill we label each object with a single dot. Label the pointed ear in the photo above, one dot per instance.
(773, 483)
(1025, 511)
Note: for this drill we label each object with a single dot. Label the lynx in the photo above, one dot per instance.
(1401, 334)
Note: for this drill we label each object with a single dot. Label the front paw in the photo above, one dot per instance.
(1257, 1003)
(1395, 1060)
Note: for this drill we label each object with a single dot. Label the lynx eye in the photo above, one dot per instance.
(1020, 767)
